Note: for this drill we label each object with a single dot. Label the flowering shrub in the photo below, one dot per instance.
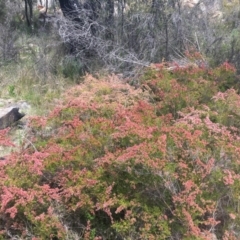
(112, 161)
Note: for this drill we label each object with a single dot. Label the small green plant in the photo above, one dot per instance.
(72, 68)
(11, 91)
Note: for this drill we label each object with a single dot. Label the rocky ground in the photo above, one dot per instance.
(14, 115)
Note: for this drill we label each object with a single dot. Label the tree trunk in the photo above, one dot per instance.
(72, 9)
(29, 12)
(69, 7)
(109, 18)
(110, 12)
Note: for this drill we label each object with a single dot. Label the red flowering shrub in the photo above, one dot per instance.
(4, 138)
(112, 161)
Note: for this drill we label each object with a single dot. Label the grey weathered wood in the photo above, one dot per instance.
(8, 116)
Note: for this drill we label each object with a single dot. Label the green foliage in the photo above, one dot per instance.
(111, 161)
(11, 91)
(72, 68)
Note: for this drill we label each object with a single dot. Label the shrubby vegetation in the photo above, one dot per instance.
(150, 154)
(120, 36)
(112, 161)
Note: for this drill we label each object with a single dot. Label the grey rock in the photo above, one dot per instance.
(9, 115)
